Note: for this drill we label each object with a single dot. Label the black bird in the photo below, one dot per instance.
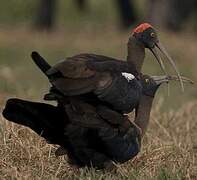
(90, 137)
(109, 79)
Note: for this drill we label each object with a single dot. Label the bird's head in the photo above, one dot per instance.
(146, 35)
(150, 84)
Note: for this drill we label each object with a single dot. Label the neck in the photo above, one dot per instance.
(143, 113)
(136, 54)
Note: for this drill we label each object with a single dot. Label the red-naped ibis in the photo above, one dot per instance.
(90, 135)
(109, 79)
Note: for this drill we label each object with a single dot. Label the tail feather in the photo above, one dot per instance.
(46, 120)
(40, 62)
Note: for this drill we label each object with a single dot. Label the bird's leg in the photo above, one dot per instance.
(83, 114)
(111, 116)
(121, 121)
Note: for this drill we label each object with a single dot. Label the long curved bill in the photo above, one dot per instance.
(184, 79)
(159, 60)
(165, 79)
(163, 50)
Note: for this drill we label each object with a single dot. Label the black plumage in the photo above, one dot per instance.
(73, 77)
(105, 76)
(90, 135)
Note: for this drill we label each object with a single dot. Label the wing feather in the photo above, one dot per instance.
(84, 73)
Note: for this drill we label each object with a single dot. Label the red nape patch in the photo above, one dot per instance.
(142, 27)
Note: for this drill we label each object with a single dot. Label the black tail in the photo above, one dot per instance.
(40, 62)
(46, 120)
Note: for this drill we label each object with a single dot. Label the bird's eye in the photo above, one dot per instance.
(146, 80)
(152, 34)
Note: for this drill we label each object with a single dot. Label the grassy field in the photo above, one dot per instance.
(169, 152)
(170, 146)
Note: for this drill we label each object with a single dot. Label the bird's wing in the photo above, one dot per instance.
(83, 114)
(73, 67)
(84, 73)
(86, 65)
(103, 63)
(93, 116)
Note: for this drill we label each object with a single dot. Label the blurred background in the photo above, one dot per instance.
(61, 28)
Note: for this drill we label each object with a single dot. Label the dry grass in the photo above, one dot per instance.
(169, 151)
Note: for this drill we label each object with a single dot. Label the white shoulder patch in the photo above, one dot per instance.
(128, 76)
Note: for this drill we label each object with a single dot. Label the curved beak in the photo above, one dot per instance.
(165, 79)
(168, 57)
(159, 60)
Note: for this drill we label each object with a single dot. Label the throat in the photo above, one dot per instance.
(136, 55)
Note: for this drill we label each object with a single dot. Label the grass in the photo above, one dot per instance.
(169, 152)
(170, 146)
